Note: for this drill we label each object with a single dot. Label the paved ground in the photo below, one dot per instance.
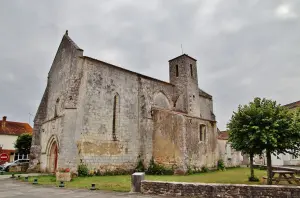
(23, 175)
(10, 188)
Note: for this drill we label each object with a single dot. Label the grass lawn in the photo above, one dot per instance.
(122, 182)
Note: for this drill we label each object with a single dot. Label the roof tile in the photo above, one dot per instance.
(15, 128)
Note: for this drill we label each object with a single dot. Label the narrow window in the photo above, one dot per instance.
(201, 126)
(56, 107)
(202, 132)
(116, 112)
(191, 68)
(177, 73)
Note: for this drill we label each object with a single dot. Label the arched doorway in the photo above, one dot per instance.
(52, 156)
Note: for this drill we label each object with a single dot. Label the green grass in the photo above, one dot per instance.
(230, 176)
(122, 182)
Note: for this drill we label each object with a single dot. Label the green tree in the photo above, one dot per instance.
(23, 143)
(264, 126)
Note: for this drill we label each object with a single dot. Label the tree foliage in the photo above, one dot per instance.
(23, 143)
(265, 126)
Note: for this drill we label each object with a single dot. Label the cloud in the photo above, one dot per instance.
(244, 48)
(284, 11)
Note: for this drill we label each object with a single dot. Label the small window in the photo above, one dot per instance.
(116, 114)
(177, 73)
(56, 107)
(202, 132)
(191, 68)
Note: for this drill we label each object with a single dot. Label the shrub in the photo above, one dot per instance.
(156, 169)
(221, 165)
(253, 179)
(83, 170)
(204, 169)
(140, 166)
(189, 170)
(98, 173)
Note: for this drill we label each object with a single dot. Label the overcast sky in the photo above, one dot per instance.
(244, 48)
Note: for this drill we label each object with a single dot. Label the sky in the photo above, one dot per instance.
(245, 49)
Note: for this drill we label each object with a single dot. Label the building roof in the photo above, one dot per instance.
(223, 135)
(183, 56)
(71, 41)
(126, 70)
(204, 94)
(14, 128)
(292, 105)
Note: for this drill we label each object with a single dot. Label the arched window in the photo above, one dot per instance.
(177, 72)
(116, 116)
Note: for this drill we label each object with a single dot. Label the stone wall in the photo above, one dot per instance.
(176, 140)
(218, 190)
(59, 100)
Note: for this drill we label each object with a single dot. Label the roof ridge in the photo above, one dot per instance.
(292, 103)
(66, 35)
(16, 122)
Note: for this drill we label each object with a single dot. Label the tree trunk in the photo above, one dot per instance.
(251, 166)
(269, 167)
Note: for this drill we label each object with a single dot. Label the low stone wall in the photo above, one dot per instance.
(218, 190)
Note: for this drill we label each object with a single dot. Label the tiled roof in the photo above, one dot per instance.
(14, 128)
(223, 135)
(293, 105)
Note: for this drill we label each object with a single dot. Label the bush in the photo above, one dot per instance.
(83, 170)
(221, 165)
(253, 179)
(98, 173)
(189, 170)
(156, 169)
(204, 169)
(140, 166)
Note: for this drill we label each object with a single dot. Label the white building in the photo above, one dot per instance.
(9, 132)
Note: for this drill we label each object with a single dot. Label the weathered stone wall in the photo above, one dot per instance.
(152, 93)
(218, 190)
(59, 99)
(206, 107)
(97, 146)
(176, 141)
(137, 95)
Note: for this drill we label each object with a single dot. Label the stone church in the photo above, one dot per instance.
(109, 118)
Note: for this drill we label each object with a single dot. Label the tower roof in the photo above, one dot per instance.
(183, 55)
